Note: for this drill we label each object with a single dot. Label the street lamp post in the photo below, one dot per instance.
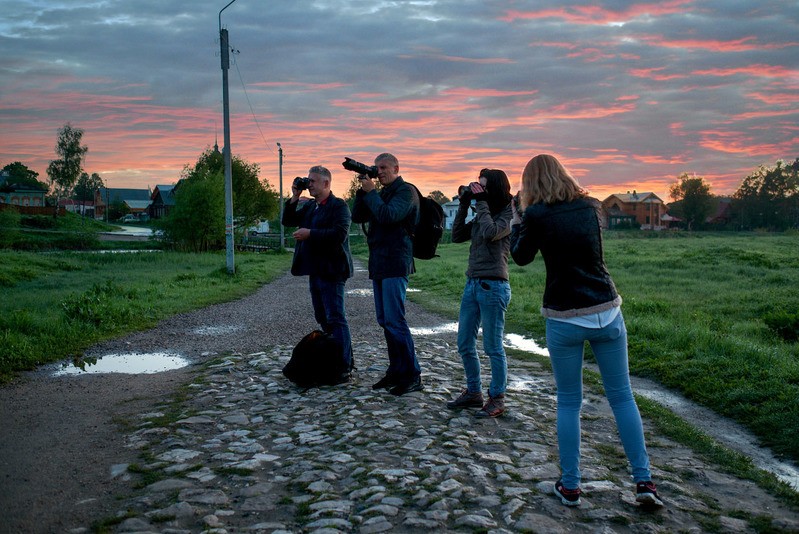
(280, 174)
(225, 53)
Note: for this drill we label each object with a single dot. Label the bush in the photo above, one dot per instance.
(9, 227)
(39, 221)
(784, 324)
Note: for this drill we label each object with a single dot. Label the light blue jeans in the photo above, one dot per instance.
(484, 301)
(565, 343)
(390, 310)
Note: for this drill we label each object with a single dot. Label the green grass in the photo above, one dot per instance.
(696, 308)
(55, 305)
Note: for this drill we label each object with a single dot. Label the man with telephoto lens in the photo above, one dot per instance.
(322, 251)
(392, 214)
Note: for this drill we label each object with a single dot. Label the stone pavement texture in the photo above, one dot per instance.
(243, 450)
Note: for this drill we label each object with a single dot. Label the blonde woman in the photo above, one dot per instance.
(559, 220)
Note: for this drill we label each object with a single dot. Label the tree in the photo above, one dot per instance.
(197, 222)
(64, 172)
(19, 174)
(439, 197)
(86, 187)
(769, 197)
(692, 193)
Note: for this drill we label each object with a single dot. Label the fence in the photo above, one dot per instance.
(33, 210)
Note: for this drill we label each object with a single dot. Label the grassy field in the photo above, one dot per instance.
(697, 309)
(55, 305)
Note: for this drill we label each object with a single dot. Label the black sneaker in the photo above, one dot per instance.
(646, 493)
(467, 399)
(407, 387)
(569, 497)
(387, 382)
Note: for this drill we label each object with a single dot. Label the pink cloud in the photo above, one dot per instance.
(593, 15)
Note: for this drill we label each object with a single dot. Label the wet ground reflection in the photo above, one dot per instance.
(216, 330)
(131, 363)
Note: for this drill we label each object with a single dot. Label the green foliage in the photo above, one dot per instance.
(694, 200)
(197, 222)
(87, 185)
(20, 174)
(55, 305)
(65, 170)
(784, 324)
(9, 227)
(769, 198)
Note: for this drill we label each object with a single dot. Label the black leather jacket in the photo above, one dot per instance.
(326, 253)
(569, 237)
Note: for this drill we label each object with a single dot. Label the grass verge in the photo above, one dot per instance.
(55, 305)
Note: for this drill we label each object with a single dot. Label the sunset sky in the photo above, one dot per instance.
(628, 95)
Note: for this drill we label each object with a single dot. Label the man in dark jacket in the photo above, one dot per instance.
(392, 214)
(322, 252)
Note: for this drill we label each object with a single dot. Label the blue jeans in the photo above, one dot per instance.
(484, 301)
(327, 297)
(390, 310)
(565, 343)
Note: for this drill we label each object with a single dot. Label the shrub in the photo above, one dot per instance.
(784, 324)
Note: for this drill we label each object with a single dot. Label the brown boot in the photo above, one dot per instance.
(493, 408)
(466, 400)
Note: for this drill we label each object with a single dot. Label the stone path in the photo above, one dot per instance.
(246, 451)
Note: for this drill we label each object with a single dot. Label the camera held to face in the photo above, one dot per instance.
(361, 168)
(301, 183)
(465, 191)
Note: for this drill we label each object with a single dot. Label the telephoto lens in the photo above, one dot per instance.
(301, 183)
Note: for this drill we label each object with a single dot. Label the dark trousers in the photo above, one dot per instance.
(390, 310)
(327, 297)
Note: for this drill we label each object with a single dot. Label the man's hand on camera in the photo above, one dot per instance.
(366, 183)
(301, 234)
(295, 194)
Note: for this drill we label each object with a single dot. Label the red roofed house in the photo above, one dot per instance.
(644, 210)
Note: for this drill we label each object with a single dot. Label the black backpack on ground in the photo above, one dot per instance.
(428, 231)
(317, 360)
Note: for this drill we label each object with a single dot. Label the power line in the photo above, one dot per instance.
(252, 112)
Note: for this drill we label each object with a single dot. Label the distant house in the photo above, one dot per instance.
(644, 210)
(162, 200)
(80, 207)
(451, 209)
(136, 200)
(722, 213)
(18, 194)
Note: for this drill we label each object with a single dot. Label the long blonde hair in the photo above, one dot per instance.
(546, 180)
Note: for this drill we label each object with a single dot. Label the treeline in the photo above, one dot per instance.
(767, 199)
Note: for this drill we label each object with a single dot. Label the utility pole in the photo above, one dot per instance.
(280, 173)
(225, 53)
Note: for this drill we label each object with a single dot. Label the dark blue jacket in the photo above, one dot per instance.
(326, 253)
(392, 215)
(569, 237)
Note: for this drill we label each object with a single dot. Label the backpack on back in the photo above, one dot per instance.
(429, 229)
(317, 360)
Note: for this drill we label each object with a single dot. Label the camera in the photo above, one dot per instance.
(301, 183)
(361, 168)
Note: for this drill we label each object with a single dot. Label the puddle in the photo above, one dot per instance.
(360, 292)
(132, 363)
(515, 341)
(527, 383)
(431, 331)
(215, 330)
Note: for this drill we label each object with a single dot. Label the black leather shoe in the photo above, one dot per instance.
(407, 387)
(343, 379)
(387, 382)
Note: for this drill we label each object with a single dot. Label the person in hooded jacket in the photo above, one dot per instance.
(487, 292)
